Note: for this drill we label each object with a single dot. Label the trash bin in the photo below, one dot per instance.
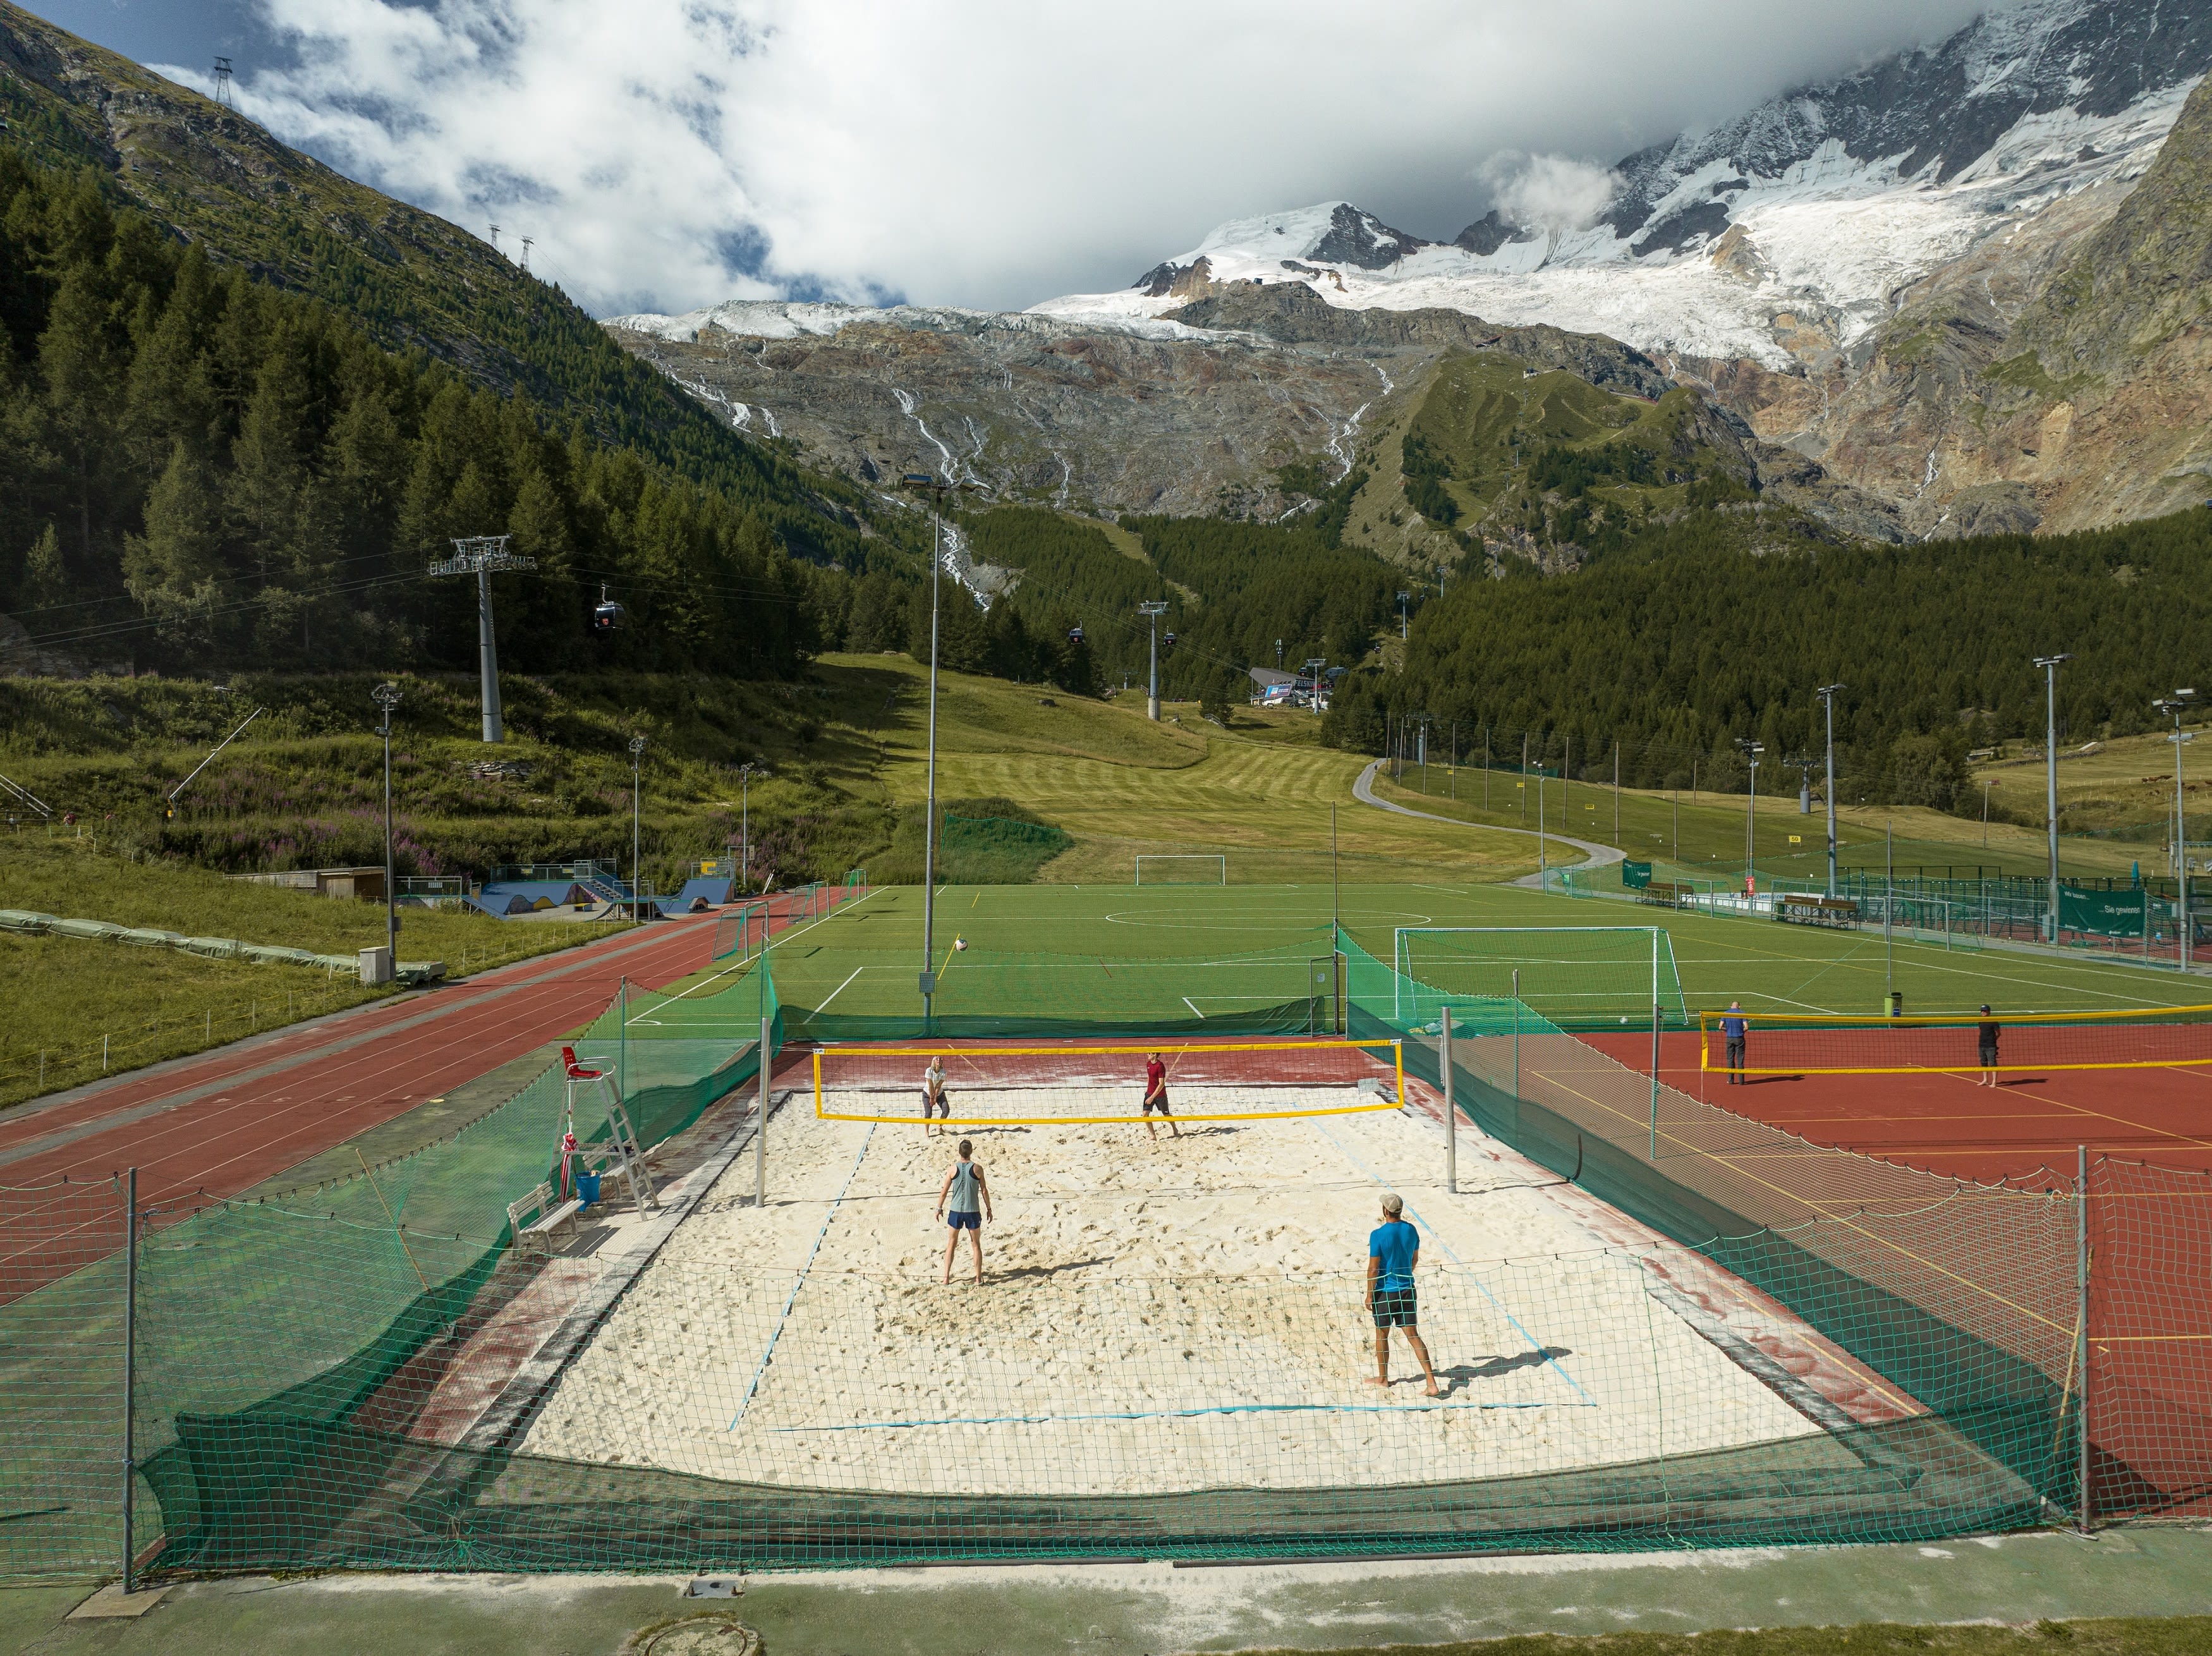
(1897, 1003)
(587, 1187)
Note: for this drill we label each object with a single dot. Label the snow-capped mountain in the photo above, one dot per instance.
(1788, 234)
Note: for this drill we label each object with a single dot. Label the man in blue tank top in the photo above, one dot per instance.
(1393, 1248)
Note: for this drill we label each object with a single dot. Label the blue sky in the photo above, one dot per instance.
(667, 153)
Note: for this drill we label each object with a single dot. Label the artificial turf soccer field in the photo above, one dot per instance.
(1186, 954)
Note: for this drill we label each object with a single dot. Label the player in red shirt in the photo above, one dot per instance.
(1156, 1098)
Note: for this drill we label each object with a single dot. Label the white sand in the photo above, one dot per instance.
(1128, 1276)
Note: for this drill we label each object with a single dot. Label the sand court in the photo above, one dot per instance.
(1158, 1315)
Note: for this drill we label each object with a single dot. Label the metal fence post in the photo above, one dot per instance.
(2082, 1366)
(1517, 1034)
(1451, 1109)
(129, 1357)
(760, 1128)
(1655, 1044)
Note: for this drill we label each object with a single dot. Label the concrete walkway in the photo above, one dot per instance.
(1594, 854)
(1157, 1608)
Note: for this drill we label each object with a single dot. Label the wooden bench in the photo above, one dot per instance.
(532, 1233)
(1797, 910)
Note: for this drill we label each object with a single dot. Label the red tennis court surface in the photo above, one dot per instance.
(224, 1120)
(2147, 1222)
(1946, 1123)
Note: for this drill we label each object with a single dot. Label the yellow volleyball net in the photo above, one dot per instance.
(1067, 1084)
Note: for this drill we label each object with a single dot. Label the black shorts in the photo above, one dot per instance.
(1157, 1101)
(1988, 1058)
(1394, 1308)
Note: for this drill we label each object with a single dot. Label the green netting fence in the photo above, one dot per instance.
(366, 1373)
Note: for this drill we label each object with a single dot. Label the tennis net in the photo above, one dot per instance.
(1950, 1043)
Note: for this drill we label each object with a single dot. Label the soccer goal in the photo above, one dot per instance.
(1576, 976)
(989, 1085)
(1183, 870)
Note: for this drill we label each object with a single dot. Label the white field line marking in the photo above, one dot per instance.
(1534, 1343)
(792, 1299)
(1193, 1005)
(841, 987)
(842, 909)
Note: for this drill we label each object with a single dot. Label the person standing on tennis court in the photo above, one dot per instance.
(1987, 1034)
(1156, 1098)
(1393, 1248)
(1735, 1028)
(934, 1098)
(971, 1206)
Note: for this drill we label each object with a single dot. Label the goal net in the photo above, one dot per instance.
(2165, 1038)
(1577, 976)
(990, 1085)
(1179, 869)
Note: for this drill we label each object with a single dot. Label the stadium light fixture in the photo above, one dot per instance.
(1152, 609)
(2050, 665)
(1827, 695)
(386, 696)
(2174, 705)
(483, 556)
(929, 483)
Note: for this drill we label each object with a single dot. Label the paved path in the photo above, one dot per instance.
(1594, 855)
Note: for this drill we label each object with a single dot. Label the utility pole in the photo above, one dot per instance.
(482, 557)
(745, 822)
(1616, 793)
(223, 94)
(2050, 665)
(526, 241)
(1153, 610)
(1313, 671)
(386, 696)
(1404, 599)
(1827, 695)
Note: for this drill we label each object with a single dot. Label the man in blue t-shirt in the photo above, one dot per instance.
(1734, 1027)
(1393, 1248)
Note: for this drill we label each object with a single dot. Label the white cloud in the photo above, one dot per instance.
(1548, 192)
(668, 152)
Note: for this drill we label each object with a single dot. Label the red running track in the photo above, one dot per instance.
(223, 1121)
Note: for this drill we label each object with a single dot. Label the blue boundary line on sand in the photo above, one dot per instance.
(1187, 1414)
(1533, 1341)
(792, 1299)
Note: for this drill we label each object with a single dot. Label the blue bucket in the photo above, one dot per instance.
(587, 1187)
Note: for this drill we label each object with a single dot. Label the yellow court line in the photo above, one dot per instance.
(1961, 1069)
(1824, 1213)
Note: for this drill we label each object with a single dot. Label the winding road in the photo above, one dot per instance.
(1594, 854)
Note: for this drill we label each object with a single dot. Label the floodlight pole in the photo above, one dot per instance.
(1827, 695)
(637, 880)
(1153, 610)
(926, 483)
(2050, 665)
(386, 696)
(1752, 751)
(745, 824)
(1404, 631)
(483, 556)
(1314, 666)
(2173, 705)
